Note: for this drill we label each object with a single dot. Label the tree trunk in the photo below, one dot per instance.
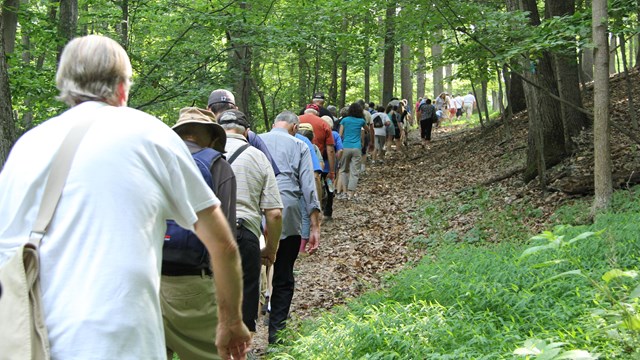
(124, 25)
(587, 64)
(612, 53)
(9, 24)
(476, 95)
(485, 106)
(343, 78)
(601, 131)
(494, 99)
(633, 116)
(302, 79)
(515, 92)
(508, 115)
(367, 63)
(438, 71)
(405, 74)
(68, 23)
(421, 68)
(547, 119)
(448, 70)
(333, 88)
(7, 123)
(389, 53)
(566, 71)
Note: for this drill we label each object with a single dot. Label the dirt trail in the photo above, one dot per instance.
(370, 237)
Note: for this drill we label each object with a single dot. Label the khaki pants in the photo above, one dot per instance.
(190, 316)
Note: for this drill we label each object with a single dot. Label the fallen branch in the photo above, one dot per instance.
(503, 176)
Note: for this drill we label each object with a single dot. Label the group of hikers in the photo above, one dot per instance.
(155, 246)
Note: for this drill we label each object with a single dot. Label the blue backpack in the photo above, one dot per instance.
(183, 253)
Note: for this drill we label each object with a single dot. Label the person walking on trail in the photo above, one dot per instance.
(187, 294)
(380, 123)
(257, 195)
(427, 116)
(296, 180)
(328, 184)
(352, 129)
(459, 100)
(305, 133)
(469, 104)
(221, 100)
(100, 262)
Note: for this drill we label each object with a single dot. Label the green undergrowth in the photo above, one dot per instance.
(571, 293)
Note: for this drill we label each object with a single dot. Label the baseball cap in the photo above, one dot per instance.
(235, 117)
(305, 126)
(193, 115)
(221, 96)
(314, 107)
(318, 95)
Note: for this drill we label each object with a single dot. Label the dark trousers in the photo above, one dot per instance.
(249, 247)
(425, 129)
(327, 200)
(283, 284)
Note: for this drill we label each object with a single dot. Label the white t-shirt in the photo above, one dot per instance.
(459, 101)
(469, 99)
(381, 131)
(101, 258)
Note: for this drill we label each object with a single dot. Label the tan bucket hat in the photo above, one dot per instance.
(194, 115)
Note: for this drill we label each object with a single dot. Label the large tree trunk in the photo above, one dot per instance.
(68, 23)
(448, 70)
(548, 120)
(405, 74)
(438, 71)
(566, 67)
(9, 24)
(587, 64)
(421, 69)
(601, 132)
(389, 54)
(7, 124)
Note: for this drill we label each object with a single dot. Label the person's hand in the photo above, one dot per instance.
(268, 256)
(331, 175)
(314, 241)
(233, 340)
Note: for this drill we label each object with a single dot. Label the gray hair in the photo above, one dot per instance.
(288, 117)
(311, 111)
(234, 127)
(91, 68)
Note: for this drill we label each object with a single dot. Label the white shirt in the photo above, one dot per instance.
(101, 258)
(469, 99)
(459, 101)
(381, 131)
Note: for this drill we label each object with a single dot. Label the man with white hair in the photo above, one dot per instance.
(100, 258)
(257, 195)
(295, 180)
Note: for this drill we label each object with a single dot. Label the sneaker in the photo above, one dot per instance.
(341, 196)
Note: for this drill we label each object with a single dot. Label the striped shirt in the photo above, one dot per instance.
(257, 187)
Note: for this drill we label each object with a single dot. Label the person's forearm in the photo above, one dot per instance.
(331, 157)
(315, 220)
(273, 219)
(212, 229)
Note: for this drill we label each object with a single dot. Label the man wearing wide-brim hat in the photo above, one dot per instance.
(187, 294)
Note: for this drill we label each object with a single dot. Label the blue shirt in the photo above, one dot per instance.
(257, 143)
(351, 132)
(338, 146)
(314, 156)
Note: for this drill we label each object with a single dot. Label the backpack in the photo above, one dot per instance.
(377, 120)
(182, 249)
(427, 112)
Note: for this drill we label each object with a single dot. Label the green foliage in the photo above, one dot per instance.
(491, 302)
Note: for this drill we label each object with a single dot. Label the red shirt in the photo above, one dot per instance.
(322, 135)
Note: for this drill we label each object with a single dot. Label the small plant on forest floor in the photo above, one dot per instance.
(616, 299)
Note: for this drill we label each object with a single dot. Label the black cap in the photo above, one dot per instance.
(221, 96)
(318, 95)
(233, 116)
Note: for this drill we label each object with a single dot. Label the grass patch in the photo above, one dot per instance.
(470, 301)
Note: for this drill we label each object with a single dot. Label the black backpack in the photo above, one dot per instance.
(377, 120)
(182, 249)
